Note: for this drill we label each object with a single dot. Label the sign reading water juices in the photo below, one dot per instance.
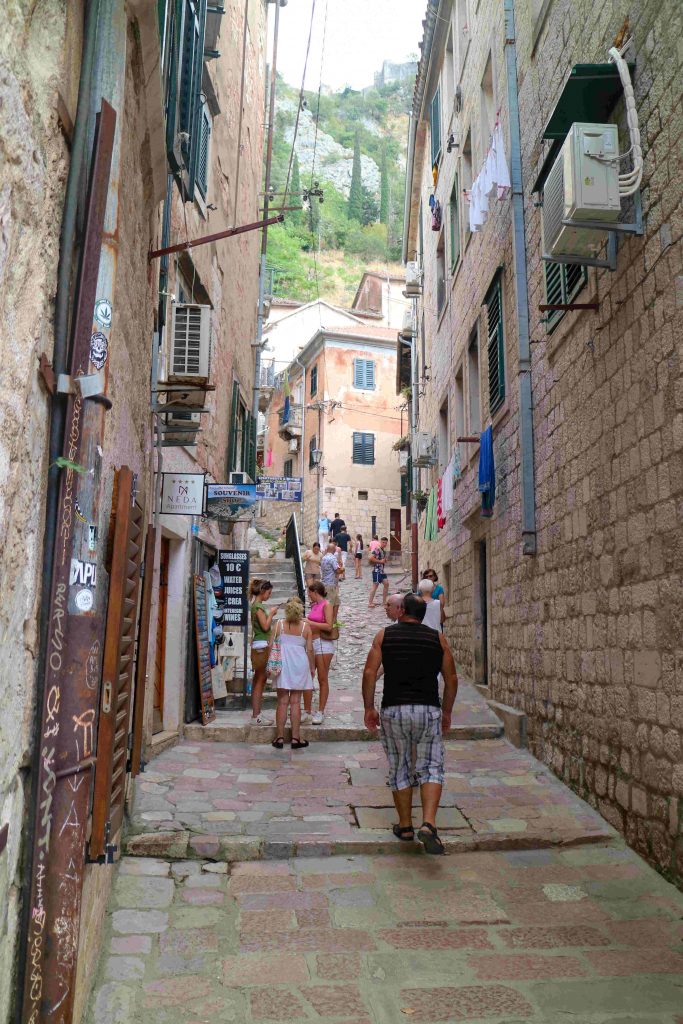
(234, 569)
(182, 494)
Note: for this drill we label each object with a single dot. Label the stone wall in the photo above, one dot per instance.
(585, 636)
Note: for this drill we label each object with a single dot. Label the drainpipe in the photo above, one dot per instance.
(415, 481)
(76, 180)
(303, 440)
(526, 428)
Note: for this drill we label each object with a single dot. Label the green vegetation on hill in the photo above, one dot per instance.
(327, 247)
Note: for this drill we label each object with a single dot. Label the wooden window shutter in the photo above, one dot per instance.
(232, 440)
(141, 659)
(496, 347)
(435, 125)
(204, 150)
(125, 538)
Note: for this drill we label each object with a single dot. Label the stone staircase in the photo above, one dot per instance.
(280, 574)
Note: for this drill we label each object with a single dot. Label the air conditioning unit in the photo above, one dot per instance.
(583, 185)
(189, 424)
(406, 331)
(294, 444)
(239, 478)
(413, 278)
(190, 344)
(424, 450)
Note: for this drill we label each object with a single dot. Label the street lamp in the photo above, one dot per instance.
(316, 459)
(316, 456)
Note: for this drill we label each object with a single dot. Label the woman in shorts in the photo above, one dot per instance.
(321, 620)
(261, 624)
(358, 556)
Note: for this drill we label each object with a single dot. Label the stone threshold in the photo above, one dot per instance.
(219, 732)
(184, 845)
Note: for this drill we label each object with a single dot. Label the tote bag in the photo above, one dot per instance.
(274, 667)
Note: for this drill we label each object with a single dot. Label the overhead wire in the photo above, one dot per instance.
(301, 100)
(315, 149)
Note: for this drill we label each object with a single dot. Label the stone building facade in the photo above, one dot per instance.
(567, 603)
(134, 52)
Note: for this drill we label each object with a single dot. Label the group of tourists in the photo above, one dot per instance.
(419, 676)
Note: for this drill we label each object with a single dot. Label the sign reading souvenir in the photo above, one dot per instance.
(234, 569)
(182, 494)
(279, 488)
(228, 501)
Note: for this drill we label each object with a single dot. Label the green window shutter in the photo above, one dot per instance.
(171, 85)
(563, 282)
(496, 346)
(252, 447)
(435, 125)
(311, 446)
(190, 66)
(455, 225)
(204, 150)
(232, 439)
(363, 448)
(364, 374)
(404, 491)
(314, 381)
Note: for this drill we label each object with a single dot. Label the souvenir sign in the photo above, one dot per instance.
(228, 501)
(279, 488)
(182, 494)
(234, 569)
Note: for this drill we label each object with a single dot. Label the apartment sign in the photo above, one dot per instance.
(279, 488)
(182, 494)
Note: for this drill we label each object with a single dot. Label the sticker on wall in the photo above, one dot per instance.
(99, 346)
(79, 514)
(83, 573)
(84, 600)
(103, 312)
(92, 538)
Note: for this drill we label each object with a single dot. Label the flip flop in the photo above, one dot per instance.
(429, 838)
(299, 744)
(400, 831)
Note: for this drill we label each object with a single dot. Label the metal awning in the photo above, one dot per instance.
(590, 94)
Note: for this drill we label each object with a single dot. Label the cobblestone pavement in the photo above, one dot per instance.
(235, 801)
(588, 935)
(473, 718)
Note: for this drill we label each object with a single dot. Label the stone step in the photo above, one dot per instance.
(330, 732)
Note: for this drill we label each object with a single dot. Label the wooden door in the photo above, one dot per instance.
(160, 657)
(395, 529)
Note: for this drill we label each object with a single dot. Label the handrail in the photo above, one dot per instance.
(293, 551)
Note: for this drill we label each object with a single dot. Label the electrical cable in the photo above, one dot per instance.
(301, 99)
(245, 34)
(629, 182)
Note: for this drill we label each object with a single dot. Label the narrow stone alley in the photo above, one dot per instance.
(261, 885)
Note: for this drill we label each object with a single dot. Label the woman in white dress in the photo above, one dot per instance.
(298, 669)
(433, 614)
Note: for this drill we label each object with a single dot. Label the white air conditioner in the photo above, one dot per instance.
(413, 278)
(406, 331)
(294, 444)
(182, 420)
(583, 185)
(424, 449)
(190, 343)
(239, 478)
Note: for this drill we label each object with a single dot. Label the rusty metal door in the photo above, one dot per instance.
(125, 535)
(143, 648)
(160, 654)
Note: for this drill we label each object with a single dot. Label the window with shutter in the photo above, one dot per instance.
(435, 125)
(363, 448)
(314, 381)
(288, 468)
(364, 374)
(496, 348)
(136, 764)
(312, 444)
(117, 665)
(563, 282)
(232, 439)
(183, 92)
(454, 216)
(204, 150)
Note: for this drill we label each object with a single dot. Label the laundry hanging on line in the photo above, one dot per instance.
(487, 473)
(492, 182)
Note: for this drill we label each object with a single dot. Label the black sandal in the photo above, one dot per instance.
(299, 744)
(429, 838)
(400, 831)
(278, 743)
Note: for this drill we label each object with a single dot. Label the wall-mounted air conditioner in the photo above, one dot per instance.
(182, 426)
(413, 278)
(424, 450)
(406, 331)
(190, 343)
(294, 444)
(583, 185)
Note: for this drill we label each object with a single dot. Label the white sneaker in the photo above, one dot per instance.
(261, 720)
(306, 717)
(318, 718)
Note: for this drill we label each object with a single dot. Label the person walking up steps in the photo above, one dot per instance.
(261, 624)
(433, 613)
(412, 721)
(296, 675)
(358, 556)
(378, 561)
(321, 621)
(343, 539)
(312, 559)
(323, 530)
(336, 526)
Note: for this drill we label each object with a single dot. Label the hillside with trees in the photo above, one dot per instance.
(352, 144)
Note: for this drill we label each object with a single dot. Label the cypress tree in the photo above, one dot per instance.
(295, 191)
(356, 193)
(384, 189)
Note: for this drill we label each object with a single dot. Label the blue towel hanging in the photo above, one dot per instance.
(487, 472)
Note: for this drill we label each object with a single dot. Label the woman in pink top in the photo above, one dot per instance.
(321, 620)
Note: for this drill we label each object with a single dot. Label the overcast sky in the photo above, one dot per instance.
(360, 35)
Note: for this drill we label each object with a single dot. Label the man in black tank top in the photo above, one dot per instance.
(412, 721)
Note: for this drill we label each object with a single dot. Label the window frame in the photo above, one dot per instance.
(367, 447)
(313, 391)
(357, 361)
(288, 464)
(495, 344)
(312, 445)
(454, 224)
(204, 154)
(567, 294)
(441, 290)
(436, 141)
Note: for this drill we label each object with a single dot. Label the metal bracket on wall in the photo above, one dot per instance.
(634, 227)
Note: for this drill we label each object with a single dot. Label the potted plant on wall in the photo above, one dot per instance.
(422, 500)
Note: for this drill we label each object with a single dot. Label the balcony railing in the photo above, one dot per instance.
(292, 428)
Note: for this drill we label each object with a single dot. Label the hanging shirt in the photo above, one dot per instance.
(502, 173)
